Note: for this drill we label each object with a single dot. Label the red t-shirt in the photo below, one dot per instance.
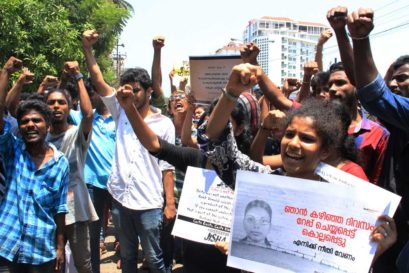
(354, 169)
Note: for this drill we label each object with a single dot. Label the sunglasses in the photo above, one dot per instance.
(177, 97)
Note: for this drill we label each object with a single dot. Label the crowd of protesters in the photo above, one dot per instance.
(79, 146)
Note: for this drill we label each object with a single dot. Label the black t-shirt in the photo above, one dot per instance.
(180, 157)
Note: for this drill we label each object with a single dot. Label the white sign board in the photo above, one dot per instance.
(284, 224)
(209, 74)
(205, 206)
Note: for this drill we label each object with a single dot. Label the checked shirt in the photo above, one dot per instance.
(32, 198)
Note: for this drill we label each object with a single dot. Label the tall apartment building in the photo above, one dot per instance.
(285, 45)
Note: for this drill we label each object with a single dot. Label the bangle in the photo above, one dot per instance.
(305, 82)
(78, 76)
(358, 38)
(229, 96)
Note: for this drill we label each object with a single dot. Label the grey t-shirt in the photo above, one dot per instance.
(74, 145)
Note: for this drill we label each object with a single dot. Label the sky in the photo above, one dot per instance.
(193, 27)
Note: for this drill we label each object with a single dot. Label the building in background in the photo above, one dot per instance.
(232, 48)
(285, 45)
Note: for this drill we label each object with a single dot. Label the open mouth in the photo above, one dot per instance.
(179, 106)
(57, 114)
(31, 134)
(294, 156)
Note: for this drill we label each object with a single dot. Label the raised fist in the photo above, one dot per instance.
(360, 23)
(12, 65)
(275, 120)
(310, 68)
(49, 82)
(26, 77)
(72, 68)
(158, 42)
(337, 17)
(125, 96)
(324, 37)
(183, 82)
(290, 85)
(243, 77)
(249, 53)
(89, 37)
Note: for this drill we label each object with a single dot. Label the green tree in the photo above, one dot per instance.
(46, 33)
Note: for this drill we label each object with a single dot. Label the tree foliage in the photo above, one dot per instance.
(46, 33)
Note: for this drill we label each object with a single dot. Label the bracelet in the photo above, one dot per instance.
(229, 96)
(358, 38)
(78, 76)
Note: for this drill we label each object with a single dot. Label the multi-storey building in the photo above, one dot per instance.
(285, 45)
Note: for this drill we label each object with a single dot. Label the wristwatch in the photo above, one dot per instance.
(78, 76)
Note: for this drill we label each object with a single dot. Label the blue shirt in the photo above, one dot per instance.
(101, 149)
(2, 179)
(379, 101)
(393, 110)
(33, 197)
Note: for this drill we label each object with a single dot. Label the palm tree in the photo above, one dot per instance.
(124, 4)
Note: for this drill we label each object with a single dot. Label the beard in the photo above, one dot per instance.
(141, 102)
(350, 102)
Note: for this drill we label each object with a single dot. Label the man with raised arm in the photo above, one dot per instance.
(74, 141)
(97, 169)
(138, 181)
(33, 208)
(393, 110)
(370, 137)
(157, 97)
(324, 37)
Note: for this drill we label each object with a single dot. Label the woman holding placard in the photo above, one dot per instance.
(313, 133)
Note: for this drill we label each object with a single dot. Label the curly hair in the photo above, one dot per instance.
(36, 105)
(136, 75)
(331, 122)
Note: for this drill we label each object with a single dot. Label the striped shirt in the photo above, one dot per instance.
(371, 140)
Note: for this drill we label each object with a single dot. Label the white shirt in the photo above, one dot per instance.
(136, 176)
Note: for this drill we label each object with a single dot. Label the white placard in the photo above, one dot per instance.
(208, 74)
(337, 176)
(205, 206)
(314, 226)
